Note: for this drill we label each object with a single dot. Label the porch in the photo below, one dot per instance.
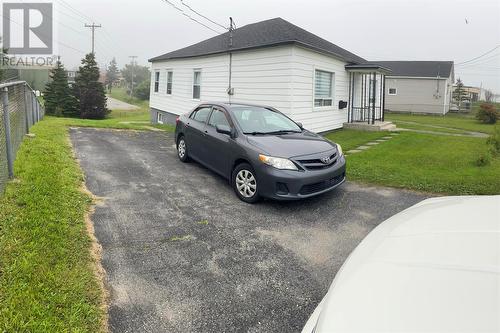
(366, 96)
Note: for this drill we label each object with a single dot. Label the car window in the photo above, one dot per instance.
(201, 114)
(218, 118)
(262, 120)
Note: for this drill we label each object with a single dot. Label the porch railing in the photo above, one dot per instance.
(365, 114)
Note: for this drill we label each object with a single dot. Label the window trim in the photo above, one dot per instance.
(156, 86)
(332, 90)
(159, 118)
(170, 71)
(389, 91)
(196, 70)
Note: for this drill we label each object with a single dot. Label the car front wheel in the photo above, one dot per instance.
(245, 183)
(182, 151)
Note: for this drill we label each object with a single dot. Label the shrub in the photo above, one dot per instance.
(142, 90)
(487, 113)
(494, 141)
(483, 159)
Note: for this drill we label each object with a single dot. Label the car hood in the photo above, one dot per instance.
(291, 145)
(433, 267)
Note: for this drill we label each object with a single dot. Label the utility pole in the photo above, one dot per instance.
(132, 73)
(93, 26)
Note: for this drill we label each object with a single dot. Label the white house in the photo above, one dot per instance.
(274, 63)
(419, 86)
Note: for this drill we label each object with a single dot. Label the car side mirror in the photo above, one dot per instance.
(224, 129)
(300, 125)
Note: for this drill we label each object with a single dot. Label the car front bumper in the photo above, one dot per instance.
(292, 185)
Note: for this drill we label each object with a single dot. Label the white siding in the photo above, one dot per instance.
(214, 74)
(305, 62)
(260, 77)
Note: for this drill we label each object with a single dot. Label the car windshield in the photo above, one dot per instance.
(259, 120)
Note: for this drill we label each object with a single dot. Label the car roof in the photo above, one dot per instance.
(229, 105)
(433, 267)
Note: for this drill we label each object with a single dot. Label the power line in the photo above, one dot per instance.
(198, 13)
(86, 17)
(190, 17)
(481, 61)
(482, 55)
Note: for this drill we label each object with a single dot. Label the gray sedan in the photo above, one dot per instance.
(260, 150)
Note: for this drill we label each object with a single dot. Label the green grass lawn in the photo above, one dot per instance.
(133, 119)
(350, 139)
(464, 122)
(47, 281)
(424, 162)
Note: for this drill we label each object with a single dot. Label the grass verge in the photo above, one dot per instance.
(121, 94)
(47, 272)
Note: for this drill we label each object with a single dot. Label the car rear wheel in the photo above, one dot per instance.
(245, 183)
(182, 151)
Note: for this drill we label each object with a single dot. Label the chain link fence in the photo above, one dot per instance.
(19, 110)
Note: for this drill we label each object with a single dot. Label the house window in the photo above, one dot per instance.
(157, 81)
(323, 88)
(196, 84)
(393, 91)
(159, 118)
(170, 76)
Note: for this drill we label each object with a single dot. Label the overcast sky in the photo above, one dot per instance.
(457, 30)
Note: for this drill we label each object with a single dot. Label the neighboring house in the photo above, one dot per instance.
(419, 86)
(71, 74)
(274, 63)
(473, 92)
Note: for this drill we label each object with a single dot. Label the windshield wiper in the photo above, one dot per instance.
(255, 133)
(283, 132)
(271, 133)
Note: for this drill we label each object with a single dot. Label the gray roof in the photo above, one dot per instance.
(271, 32)
(418, 68)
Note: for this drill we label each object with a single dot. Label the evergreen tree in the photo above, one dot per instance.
(111, 74)
(460, 95)
(89, 91)
(58, 96)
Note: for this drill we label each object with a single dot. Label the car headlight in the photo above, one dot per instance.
(339, 149)
(278, 162)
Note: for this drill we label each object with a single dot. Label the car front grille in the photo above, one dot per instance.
(317, 164)
(318, 187)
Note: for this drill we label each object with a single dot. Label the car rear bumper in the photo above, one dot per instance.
(294, 185)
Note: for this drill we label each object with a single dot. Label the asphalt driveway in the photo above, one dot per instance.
(183, 254)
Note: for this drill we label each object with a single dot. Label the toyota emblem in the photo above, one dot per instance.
(326, 160)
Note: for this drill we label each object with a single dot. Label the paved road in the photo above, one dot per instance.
(183, 254)
(116, 104)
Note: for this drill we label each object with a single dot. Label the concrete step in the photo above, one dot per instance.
(378, 126)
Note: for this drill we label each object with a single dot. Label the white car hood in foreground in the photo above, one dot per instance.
(433, 267)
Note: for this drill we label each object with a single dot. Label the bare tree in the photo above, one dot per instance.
(488, 95)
